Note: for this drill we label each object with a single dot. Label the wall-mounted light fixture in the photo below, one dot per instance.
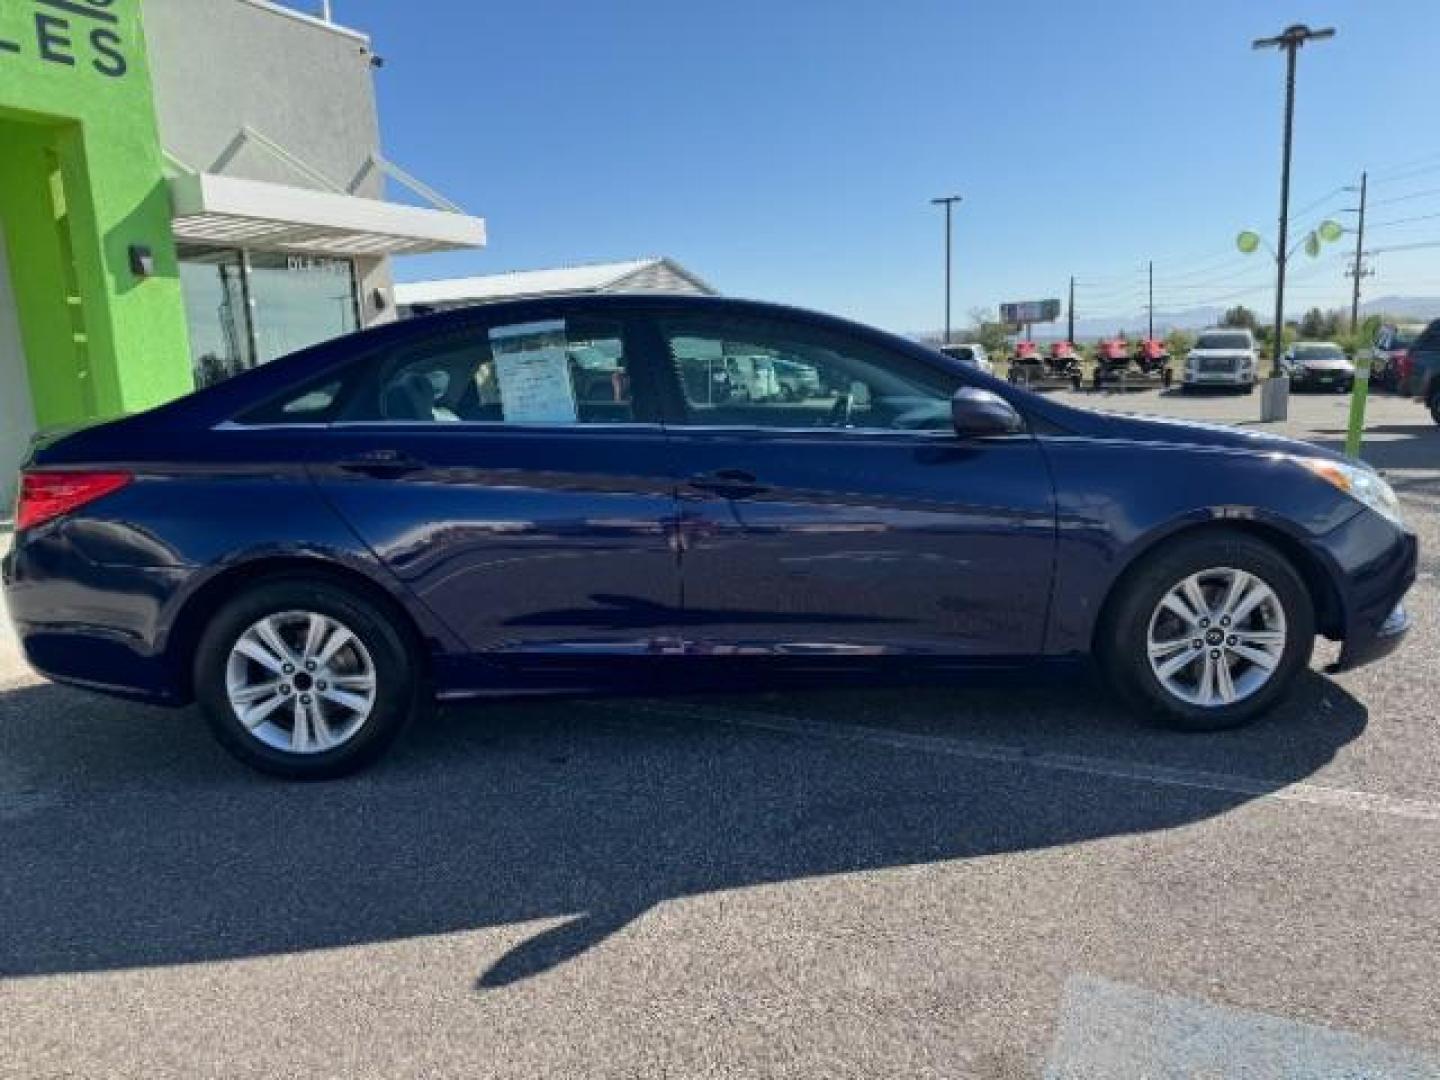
(142, 261)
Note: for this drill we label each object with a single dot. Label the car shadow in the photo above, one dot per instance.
(130, 840)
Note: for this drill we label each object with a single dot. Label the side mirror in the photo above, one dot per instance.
(979, 412)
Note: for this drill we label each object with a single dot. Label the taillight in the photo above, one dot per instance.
(47, 495)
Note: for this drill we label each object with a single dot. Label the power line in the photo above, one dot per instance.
(1404, 220)
(1407, 197)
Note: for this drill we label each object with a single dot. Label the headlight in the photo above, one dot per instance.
(1361, 483)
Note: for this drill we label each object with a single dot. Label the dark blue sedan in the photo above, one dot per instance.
(613, 493)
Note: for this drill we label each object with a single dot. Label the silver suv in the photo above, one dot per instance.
(1222, 356)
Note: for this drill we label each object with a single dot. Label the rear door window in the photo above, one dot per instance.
(565, 370)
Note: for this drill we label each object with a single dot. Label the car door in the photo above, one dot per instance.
(512, 472)
(854, 521)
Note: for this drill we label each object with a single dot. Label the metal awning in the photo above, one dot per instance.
(233, 212)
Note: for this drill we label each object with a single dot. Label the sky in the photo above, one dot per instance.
(789, 150)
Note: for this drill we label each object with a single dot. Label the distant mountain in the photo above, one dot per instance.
(1419, 308)
(1406, 308)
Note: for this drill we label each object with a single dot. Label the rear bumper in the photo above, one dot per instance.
(90, 625)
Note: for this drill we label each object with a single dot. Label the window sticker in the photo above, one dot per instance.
(532, 366)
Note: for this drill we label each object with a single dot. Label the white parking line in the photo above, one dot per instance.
(1313, 794)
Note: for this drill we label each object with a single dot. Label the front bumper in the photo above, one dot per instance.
(1379, 561)
(1218, 378)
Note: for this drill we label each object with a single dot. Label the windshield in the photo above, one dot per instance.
(1223, 340)
(1319, 352)
(959, 352)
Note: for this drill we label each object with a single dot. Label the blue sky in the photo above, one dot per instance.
(788, 150)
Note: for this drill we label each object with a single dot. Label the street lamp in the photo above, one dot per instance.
(1274, 403)
(948, 201)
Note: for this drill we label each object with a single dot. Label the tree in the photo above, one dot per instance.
(1239, 316)
(1320, 325)
(1178, 343)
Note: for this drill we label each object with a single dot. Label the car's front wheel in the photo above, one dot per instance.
(305, 679)
(1209, 632)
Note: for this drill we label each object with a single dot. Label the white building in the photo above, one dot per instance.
(655, 275)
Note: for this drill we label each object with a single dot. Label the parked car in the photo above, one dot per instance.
(1390, 356)
(1318, 365)
(1222, 356)
(972, 354)
(317, 547)
(1422, 380)
(798, 381)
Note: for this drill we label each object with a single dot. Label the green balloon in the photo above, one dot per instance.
(1330, 231)
(1312, 245)
(1248, 241)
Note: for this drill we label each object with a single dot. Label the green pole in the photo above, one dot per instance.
(1358, 394)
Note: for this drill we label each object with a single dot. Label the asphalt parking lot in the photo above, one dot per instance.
(1007, 880)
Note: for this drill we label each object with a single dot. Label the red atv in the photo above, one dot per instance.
(1063, 359)
(1112, 358)
(1152, 358)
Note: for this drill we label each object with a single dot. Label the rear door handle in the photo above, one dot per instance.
(730, 483)
(382, 463)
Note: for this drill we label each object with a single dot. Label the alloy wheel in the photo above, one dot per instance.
(301, 682)
(1217, 637)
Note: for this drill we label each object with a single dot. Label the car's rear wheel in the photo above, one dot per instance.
(304, 679)
(1435, 405)
(1209, 632)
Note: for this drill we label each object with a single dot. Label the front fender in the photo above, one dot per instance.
(1116, 502)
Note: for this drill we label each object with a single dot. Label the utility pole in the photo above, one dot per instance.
(1275, 403)
(948, 201)
(1359, 257)
(1150, 307)
(1070, 320)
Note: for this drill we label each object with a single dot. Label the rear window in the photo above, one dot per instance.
(1223, 340)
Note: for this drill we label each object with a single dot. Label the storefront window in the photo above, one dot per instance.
(247, 309)
(212, 281)
(299, 300)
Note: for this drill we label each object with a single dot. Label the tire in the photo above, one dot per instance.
(1125, 635)
(1434, 404)
(380, 654)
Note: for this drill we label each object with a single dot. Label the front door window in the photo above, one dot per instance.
(751, 374)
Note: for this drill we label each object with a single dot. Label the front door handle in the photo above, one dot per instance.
(729, 483)
(382, 463)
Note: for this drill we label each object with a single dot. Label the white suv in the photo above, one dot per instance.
(972, 354)
(1222, 356)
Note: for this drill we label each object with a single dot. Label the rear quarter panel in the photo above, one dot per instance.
(202, 505)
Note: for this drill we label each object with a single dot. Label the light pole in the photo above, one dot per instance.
(948, 201)
(1275, 401)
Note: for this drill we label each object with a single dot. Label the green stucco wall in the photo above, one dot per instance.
(81, 180)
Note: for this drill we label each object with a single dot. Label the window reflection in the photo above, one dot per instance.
(299, 300)
(215, 311)
(240, 315)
